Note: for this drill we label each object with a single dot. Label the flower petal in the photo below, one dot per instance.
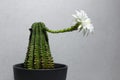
(86, 25)
(80, 28)
(74, 16)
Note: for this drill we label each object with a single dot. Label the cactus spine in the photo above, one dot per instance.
(38, 53)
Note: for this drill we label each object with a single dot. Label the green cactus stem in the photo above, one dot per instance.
(69, 29)
(38, 54)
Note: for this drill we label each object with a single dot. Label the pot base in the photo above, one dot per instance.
(58, 73)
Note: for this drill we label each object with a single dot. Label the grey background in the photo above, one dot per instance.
(95, 57)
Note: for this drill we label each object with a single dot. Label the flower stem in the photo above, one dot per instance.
(72, 28)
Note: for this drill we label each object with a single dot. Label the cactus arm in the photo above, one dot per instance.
(72, 28)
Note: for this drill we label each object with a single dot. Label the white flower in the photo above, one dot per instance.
(86, 25)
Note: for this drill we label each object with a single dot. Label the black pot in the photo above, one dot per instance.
(58, 73)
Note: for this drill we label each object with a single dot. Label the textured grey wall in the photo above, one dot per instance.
(96, 57)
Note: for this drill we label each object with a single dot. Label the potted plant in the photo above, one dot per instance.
(39, 64)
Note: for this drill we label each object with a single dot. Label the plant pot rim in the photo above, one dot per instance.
(58, 66)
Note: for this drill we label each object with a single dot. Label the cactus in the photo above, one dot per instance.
(38, 54)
